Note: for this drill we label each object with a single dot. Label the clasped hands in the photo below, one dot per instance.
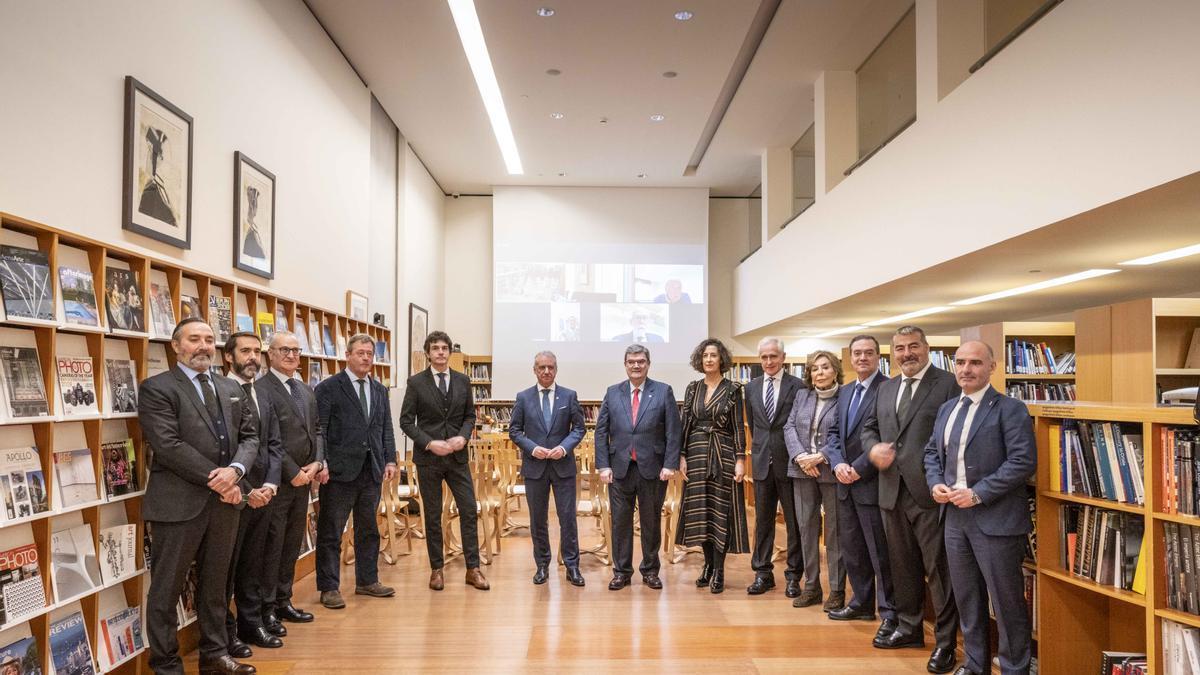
(845, 473)
(810, 463)
(315, 471)
(546, 453)
(963, 498)
(224, 481)
(446, 447)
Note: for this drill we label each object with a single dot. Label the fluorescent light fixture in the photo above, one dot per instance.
(1165, 256)
(1029, 288)
(840, 331)
(471, 34)
(657, 117)
(683, 15)
(545, 11)
(557, 115)
(900, 318)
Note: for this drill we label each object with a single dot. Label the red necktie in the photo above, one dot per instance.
(636, 400)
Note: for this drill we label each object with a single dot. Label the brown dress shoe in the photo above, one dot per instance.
(436, 580)
(475, 578)
(225, 665)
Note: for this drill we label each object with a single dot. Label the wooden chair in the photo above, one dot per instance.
(408, 490)
(595, 505)
(487, 504)
(392, 519)
(510, 483)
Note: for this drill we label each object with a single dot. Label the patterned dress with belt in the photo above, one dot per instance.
(714, 505)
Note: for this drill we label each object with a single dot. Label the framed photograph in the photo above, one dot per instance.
(157, 198)
(418, 329)
(253, 217)
(356, 306)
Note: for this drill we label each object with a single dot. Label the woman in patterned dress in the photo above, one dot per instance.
(713, 465)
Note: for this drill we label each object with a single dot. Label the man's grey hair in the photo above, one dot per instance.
(637, 349)
(279, 336)
(912, 330)
(544, 353)
(357, 338)
(771, 341)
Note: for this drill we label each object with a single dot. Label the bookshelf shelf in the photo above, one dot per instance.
(1092, 501)
(116, 666)
(1178, 617)
(1051, 378)
(1180, 518)
(1087, 584)
(1187, 372)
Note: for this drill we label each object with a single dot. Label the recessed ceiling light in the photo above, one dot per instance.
(557, 115)
(683, 15)
(553, 72)
(466, 20)
(670, 74)
(545, 11)
(657, 117)
(1165, 256)
(1029, 288)
(561, 174)
(899, 318)
(641, 175)
(603, 120)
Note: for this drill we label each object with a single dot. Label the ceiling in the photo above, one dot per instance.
(611, 55)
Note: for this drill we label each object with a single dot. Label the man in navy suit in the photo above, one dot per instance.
(360, 451)
(547, 424)
(860, 526)
(638, 440)
(977, 462)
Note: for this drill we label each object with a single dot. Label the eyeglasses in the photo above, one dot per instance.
(288, 351)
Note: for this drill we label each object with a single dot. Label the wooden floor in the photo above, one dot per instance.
(557, 628)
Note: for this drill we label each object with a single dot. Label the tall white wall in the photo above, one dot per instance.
(468, 287)
(423, 262)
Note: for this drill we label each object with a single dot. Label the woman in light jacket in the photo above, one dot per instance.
(811, 432)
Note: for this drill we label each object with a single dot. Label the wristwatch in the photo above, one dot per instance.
(975, 498)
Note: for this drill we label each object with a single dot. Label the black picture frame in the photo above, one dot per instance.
(417, 360)
(247, 194)
(157, 212)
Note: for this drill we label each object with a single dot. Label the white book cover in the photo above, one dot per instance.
(73, 566)
(118, 552)
(122, 634)
(76, 477)
(22, 483)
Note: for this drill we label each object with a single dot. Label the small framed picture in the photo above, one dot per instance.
(418, 329)
(253, 217)
(356, 306)
(157, 179)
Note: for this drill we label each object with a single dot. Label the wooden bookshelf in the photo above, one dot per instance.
(478, 367)
(1057, 336)
(745, 367)
(1138, 349)
(61, 430)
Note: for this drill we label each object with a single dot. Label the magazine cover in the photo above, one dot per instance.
(187, 599)
(69, 647)
(156, 359)
(123, 301)
(21, 589)
(162, 310)
(301, 339)
(22, 483)
(25, 280)
(220, 316)
(189, 306)
(118, 552)
(77, 382)
(120, 473)
(314, 336)
(266, 326)
(79, 296)
(73, 566)
(122, 385)
(281, 322)
(21, 658)
(23, 380)
(76, 477)
(122, 633)
(314, 373)
(327, 341)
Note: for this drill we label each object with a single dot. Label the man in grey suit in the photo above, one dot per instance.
(547, 424)
(769, 399)
(896, 431)
(638, 440)
(203, 433)
(977, 462)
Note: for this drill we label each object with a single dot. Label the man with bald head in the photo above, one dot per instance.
(977, 462)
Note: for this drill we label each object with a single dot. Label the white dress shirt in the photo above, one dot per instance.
(916, 382)
(367, 386)
(633, 389)
(777, 378)
(553, 389)
(254, 397)
(960, 479)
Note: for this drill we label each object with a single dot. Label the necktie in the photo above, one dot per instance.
(214, 411)
(546, 411)
(905, 398)
(770, 402)
(297, 396)
(636, 400)
(442, 384)
(855, 401)
(952, 447)
(362, 398)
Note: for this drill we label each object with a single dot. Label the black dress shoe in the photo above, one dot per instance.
(238, 649)
(541, 575)
(849, 613)
(705, 576)
(963, 670)
(793, 588)
(886, 628)
(898, 640)
(761, 585)
(941, 660)
(652, 581)
(574, 576)
(225, 665)
(293, 614)
(618, 582)
(274, 627)
(259, 637)
(717, 585)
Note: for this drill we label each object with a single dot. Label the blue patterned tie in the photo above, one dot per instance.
(770, 402)
(952, 447)
(855, 401)
(546, 411)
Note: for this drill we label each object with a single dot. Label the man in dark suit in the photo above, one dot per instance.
(302, 464)
(769, 398)
(638, 441)
(896, 430)
(360, 450)
(547, 424)
(977, 462)
(860, 527)
(438, 414)
(246, 573)
(203, 433)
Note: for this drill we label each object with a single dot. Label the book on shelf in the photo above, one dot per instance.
(22, 483)
(327, 341)
(481, 371)
(69, 648)
(76, 477)
(122, 384)
(1181, 649)
(942, 359)
(302, 339)
(162, 310)
(21, 589)
(1123, 663)
(189, 306)
(1036, 358)
(1181, 465)
(245, 323)
(1041, 391)
(1101, 545)
(78, 291)
(314, 336)
(481, 391)
(123, 300)
(73, 566)
(21, 657)
(1031, 538)
(220, 316)
(281, 320)
(1182, 565)
(266, 326)
(314, 373)
(383, 355)
(156, 359)
(25, 392)
(119, 467)
(1097, 459)
(118, 552)
(341, 343)
(77, 383)
(186, 607)
(25, 283)
(121, 634)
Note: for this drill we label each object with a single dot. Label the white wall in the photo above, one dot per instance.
(381, 288)
(259, 77)
(729, 225)
(423, 246)
(468, 288)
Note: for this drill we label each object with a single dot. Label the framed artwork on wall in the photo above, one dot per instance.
(356, 306)
(418, 329)
(253, 217)
(157, 179)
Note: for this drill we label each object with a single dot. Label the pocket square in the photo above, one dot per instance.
(234, 399)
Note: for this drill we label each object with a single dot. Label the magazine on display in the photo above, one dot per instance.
(21, 589)
(118, 552)
(69, 648)
(24, 389)
(78, 292)
(25, 280)
(22, 655)
(76, 477)
(119, 466)
(123, 301)
(73, 565)
(122, 385)
(122, 634)
(77, 382)
(220, 315)
(189, 306)
(22, 483)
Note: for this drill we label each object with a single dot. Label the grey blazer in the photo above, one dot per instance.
(798, 430)
(303, 440)
(767, 447)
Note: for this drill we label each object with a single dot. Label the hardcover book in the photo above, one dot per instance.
(266, 326)
(23, 379)
(302, 339)
(79, 296)
(120, 468)
(162, 310)
(220, 314)
(281, 322)
(76, 477)
(73, 566)
(314, 336)
(77, 382)
(21, 589)
(22, 483)
(327, 341)
(25, 280)
(22, 656)
(118, 552)
(122, 634)
(123, 301)
(314, 373)
(189, 306)
(69, 649)
(122, 385)
(156, 359)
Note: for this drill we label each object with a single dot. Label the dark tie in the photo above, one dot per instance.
(636, 402)
(960, 419)
(546, 411)
(855, 401)
(362, 398)
(442, 384)
(905, 398)
(214, 411)
(770, 402)
(298, 396)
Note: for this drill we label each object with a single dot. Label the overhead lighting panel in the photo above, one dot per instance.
(1041, 285)
(1165, 256)
(900, 318)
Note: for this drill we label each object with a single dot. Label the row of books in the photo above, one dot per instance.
(942, 359)
(70, 651)
(23, 484)
(1036, 358)
(1097, 459)
(1181, 649)
(1181, 449)
(1123, 663)
(1183, 566)
(481, 391)
(744, 372)
(480, 371)
(1042, 391)
(1102, 545)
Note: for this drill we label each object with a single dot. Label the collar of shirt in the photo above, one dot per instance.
(920, 376)
(866, 384)
(434, 372)
(354, 378)
(295, 376)
(553, 390)
(977, 397)
(633, 387)
(191, 374)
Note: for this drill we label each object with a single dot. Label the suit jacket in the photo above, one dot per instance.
(865, 490)
(910, 434)
(1001, 456)
(183, 438)
(767, 447)
(427, 416)
(303, 442)
(270, 444)
(350, 438)
(657, 436)
(528, 430)
(797, 434)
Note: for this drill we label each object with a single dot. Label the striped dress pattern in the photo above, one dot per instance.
(714, 505)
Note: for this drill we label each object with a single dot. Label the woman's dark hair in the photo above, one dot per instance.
(722, 354)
